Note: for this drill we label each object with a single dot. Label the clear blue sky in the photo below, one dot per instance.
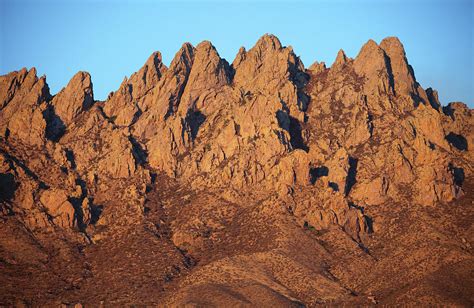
(112, 39)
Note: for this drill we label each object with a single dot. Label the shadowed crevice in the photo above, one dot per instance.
(8, 186)
(391, 79)
(316, 173)
(25, 169)
(293, 127)
(351, 175)
(449, 111)
(334, 186)
(296, 140)
(96, 212)
(55, 127)
(457, 141)
(458, 174)
(70, 157)
(368, 221)
(192, 122)
(139, 153)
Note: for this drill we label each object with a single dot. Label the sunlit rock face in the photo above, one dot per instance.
(206, 170)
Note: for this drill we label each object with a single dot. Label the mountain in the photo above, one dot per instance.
(256, 183)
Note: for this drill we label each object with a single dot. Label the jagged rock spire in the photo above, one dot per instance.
(403, 76)
(75, 98)
(24, 101)
(246, 158)
(148, 76)
(208, 71)
(183, 60)
(317, 67)
(268, 42)
(341, 59)
(239, 57)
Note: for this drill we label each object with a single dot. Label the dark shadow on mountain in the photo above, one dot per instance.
(55, 127)
(391, 79)
(136, 115)
(171, 108)
(432, 99)
(458, 174)
(351, 175)
(7, 134)
(70, 157)
(77, 204)
(334, 186)
(316, 173)
(369, 222)
(8, 186)
(78, 213)
(297, 141)
(370, 123)
(449, 111)
(83, 186)
(303, 101)
(193, 120)
(96, 212)
(416, 100)
(283, 118)
(293, 127)
(457, 141)
(153, 177)
(24, 168)
(138, 152)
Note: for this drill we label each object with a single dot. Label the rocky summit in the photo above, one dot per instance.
(253, 183)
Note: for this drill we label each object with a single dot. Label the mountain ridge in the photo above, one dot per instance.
(262, 155)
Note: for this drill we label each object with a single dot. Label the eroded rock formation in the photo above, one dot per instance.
(311, 148)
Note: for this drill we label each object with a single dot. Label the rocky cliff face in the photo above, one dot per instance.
(316, 149)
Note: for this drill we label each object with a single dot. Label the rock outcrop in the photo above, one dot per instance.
(262, 124)
(74, 99)
(24, 103)
(263, 135)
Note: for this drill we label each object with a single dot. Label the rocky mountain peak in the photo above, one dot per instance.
(264, 61)
(371, 61)
(208, 72)
(155, 60)
(239, 57)
(341, 59)
(22, 114)
(122, 106)
(268, 42)
(353, 166)
(207, 46)
(12, 82)
(75, 98)
(148, 76)
(183, 58)
(370, 48)
(403, 75)
(392, 46)
(205, 53)
(317, 67)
